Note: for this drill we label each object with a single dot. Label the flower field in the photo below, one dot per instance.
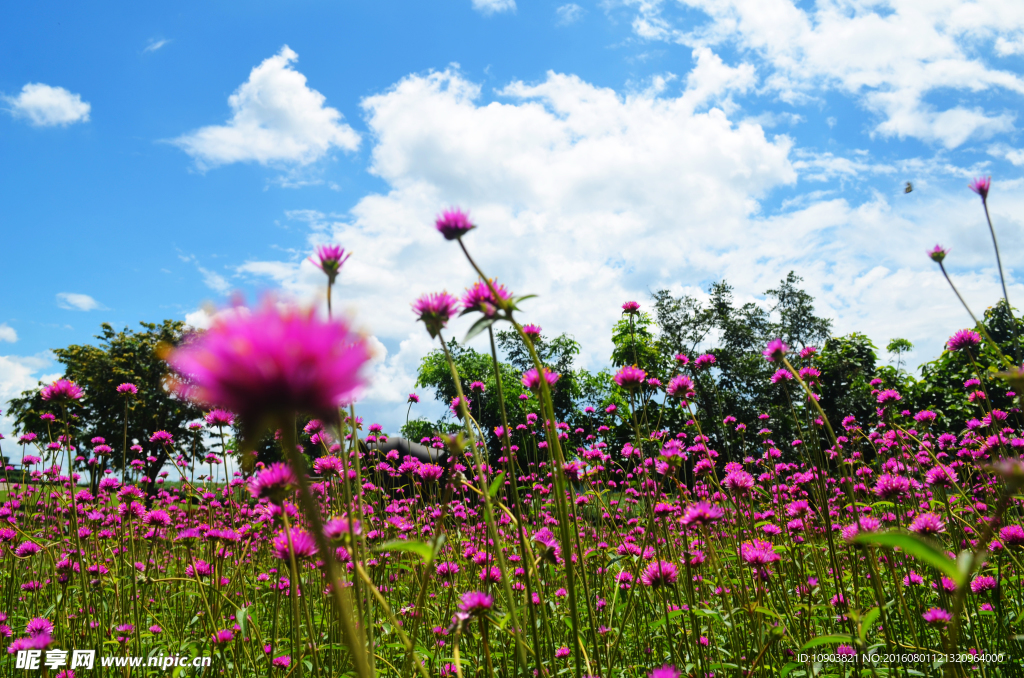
(795, 544)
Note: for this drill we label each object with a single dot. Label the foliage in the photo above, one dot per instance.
(125, 356)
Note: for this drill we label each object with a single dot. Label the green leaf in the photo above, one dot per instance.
(419, 548)
(916, 546)
(867, 622)
(496, 483)
(788, 668)
(824, 640)
(242, 617)
(478, 327)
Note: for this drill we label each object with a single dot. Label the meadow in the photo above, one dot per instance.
(654, 536)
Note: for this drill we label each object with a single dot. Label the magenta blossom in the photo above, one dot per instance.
(531, 380)
(665, 671)
(775, 350)
(630, 307)
(476, 603)
(981, 185)
(630, 377)
(479, 297)
(329, 260)
(963, 339)
(435, 309)
(413, 398)
(62, 391)
(453, 223)
(702, 514)
(937, 254)
(706, 360)
(219, 418)
(936, 616)
(303, 545)
(273, 362)
(680, 386)
(128, 389)
(660, 573)
(161, 438)
(273, 483)
(927, 524)
(532, 331)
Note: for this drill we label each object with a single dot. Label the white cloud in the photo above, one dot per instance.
(7, 333)
(46, 106)
(155, 44)
(494, 6)
(17, 374)
(890, 55)
(78, 302)
(588, 197)
(276, 119)
(569, 14)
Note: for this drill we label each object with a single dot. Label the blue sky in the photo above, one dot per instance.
(158, 159)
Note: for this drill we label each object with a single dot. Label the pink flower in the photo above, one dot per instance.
(775, 350)
(660, 573)
(331, 258)
(980, 186)
(219, 418)
(435, 309)
(39, 626)
(888, 396)
(413, 398)
(963, 339)
(453, 223)
(630, 307)
(983, 583)
(936, 616)
(532, 381)
(479, 297)
(475, 603)
(62, 391)
(927, 524)
(272, 362)
(680, 386)
(738, 481)
(562, 652)
(1012, 535)
(706, 360)
(937, 254)
(274, 483)
(630, 377)
(891, 487)
(128, 389)
(532, 331)
(222, 637)
(161, 438)
(701, 514)
(302, 542)
(665, 671)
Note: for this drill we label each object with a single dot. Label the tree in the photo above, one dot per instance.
(797, 326)
(124, 356)
(898, 347)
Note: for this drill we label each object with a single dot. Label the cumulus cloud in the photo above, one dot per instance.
(46, 106)
(589, 197)
(21, 373)
(569, 14)
(276, 120)
(891, 56)
(494, 6)
(7, 333)
(77, 302)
